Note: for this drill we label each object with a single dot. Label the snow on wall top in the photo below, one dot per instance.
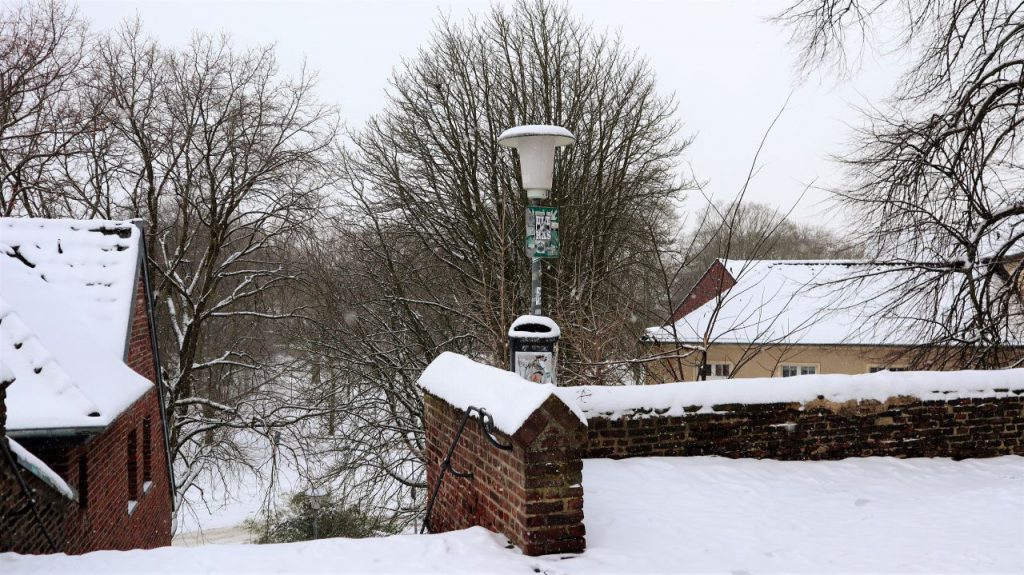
(66, 294)
(796, 301)
(509, 398)
(670, 399)
(41, 470)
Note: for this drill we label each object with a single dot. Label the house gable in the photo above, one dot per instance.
(84, 399)
(68, 299)
(716, 280)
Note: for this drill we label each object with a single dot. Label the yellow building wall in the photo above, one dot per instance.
(767, 361)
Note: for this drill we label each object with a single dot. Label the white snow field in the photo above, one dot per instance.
(685, 515)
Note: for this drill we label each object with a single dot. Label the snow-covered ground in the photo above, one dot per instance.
(215, 513)
(699, 514)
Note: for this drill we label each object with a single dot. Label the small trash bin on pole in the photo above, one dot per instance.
(533, 348)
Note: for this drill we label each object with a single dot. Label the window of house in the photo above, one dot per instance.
(132, 470)
(147, 455)
(878, 368)
(791, 370)
(716, 370)
(83, 482)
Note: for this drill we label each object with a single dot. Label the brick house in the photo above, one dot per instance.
(81, 422)
(765, 318)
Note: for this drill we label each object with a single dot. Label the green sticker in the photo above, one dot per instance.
(542, 232)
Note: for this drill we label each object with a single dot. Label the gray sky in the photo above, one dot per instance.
(729, 68)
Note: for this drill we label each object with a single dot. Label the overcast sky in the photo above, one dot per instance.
(730, 69)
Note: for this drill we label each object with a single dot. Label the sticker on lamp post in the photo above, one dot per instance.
(542, 232)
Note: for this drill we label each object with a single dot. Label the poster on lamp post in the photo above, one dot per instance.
(542, 232)
(535, 366)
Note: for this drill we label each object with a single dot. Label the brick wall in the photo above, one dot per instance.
(899, 427)
(714, 281)
(532, 494)
(105, 523)
(19, 531)
(140, 349)
(101, 518)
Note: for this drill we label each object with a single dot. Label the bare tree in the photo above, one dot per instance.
(43, 61)
(226, 161)
(936, 178)
(428, 253)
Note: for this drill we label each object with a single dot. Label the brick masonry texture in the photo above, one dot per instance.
(532, 494)
(899, 427)
(103, 520)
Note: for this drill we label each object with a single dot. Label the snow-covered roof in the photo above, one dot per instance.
(508, 398)
(795, 302)
(44, 472)
(66, 294)
(1005, 240)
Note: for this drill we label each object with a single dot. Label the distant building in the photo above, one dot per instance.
(83, 442)
(780, 318)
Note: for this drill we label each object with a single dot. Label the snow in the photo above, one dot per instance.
(508, 398)
(64, 321)
(225, 498)
(6, 375)
(89, 259)
(538, 130)
(41, 470)
(794, 301)
(515, 331)
(670, 399)
(684, 515)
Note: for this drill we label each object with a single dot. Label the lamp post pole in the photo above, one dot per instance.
(535, 281)
(536, 146)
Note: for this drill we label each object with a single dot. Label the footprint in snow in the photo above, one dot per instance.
(861, 502)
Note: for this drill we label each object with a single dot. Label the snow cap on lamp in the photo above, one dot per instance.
(536, 145)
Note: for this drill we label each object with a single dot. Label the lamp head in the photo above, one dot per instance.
(536, 145)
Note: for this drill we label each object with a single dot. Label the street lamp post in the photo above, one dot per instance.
(316, 496)
(533, 339)
(536, 146)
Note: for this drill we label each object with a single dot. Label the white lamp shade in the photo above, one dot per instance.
(536, 145)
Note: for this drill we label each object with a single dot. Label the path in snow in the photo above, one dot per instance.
(700, 514)
(218, 536)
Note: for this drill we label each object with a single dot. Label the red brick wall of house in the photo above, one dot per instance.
(532, 494)
(19, 530)
(20, 533)
(105, 523)
(101, 520)
(900, 427)
(140, 348)
(714, 281)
